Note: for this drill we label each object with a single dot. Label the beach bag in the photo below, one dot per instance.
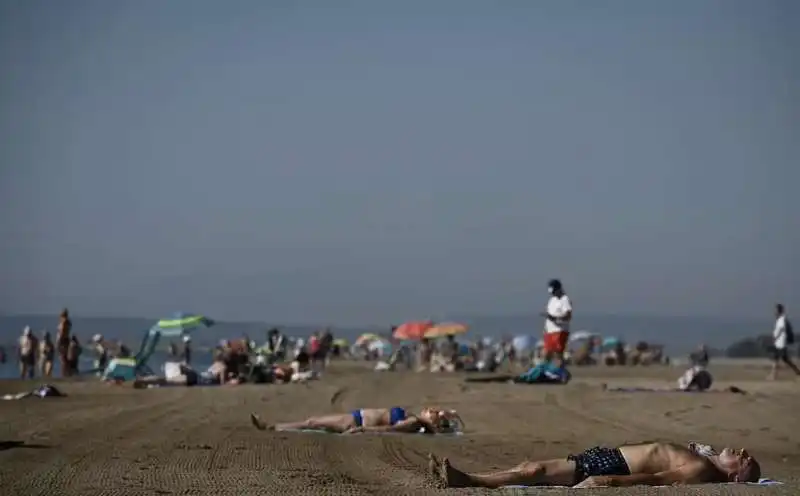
(545, 373)
(789, 332)
(695, 379)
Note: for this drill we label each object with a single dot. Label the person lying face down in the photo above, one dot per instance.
(651, 464)
(429, 420)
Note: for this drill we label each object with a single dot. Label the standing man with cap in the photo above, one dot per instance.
(556, 324)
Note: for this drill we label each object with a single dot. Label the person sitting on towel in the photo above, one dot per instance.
(396, 419)
(651, 464)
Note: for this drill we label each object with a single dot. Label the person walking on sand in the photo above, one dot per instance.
(556, 324)
(782, 338)
(647, 464)
(63, 340)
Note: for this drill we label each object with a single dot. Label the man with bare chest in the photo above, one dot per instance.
(651, 464)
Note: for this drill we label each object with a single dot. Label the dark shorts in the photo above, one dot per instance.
(599, 461)
(779, 354)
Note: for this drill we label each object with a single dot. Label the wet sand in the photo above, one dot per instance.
(114, 440)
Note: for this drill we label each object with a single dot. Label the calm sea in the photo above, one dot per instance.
(678, 334)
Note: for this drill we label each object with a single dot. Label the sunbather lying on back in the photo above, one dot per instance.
(651, 464)
(396, 419)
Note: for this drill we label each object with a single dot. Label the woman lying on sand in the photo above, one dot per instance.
(651, 464)
(396, 419)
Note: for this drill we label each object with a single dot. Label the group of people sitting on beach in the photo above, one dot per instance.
(233, 363)
(651, 464)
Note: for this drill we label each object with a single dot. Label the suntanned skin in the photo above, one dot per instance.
(374, 420)
(652, 464)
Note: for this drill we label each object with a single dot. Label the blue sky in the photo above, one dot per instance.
(373, 161)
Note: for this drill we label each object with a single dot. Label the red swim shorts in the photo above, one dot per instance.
(555, 342)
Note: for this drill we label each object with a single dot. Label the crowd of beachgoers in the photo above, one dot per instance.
(415, 345)
(428, 347)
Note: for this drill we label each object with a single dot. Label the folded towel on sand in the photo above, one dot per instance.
(761, 482)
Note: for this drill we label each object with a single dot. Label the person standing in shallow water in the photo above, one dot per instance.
(27, 354)
(47, 355)
(74, 351)
(63, 341)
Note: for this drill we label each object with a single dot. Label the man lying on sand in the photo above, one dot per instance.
(652, 464)
(396, 419)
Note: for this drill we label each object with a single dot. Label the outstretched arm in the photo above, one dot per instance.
(410, 425)
(687, 474)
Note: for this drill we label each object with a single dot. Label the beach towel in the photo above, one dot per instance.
(761, 482)
(544, 373)
(730, 389)
(44, 391)
(322, 431)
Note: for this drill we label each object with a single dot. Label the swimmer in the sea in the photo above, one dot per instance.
(651, 464)
(396, 419)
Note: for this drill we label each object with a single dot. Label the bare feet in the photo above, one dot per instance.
(433, 467)
(260, 424)
(452, 477)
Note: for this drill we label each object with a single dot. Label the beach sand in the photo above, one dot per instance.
(114, 440)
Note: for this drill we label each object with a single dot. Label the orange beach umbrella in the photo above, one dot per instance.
(412, 330)
(446, 329)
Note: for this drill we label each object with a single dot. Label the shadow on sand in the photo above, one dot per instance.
(7, 445)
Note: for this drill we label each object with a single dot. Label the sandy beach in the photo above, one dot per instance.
(114, 440)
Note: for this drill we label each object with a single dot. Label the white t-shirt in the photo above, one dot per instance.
(172, 371)
(779, 334)
(25, 346)
(558, 308)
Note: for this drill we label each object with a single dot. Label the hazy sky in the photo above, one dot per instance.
(376, 161)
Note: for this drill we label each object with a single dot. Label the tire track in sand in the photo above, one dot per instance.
(403, 469)
(628, 425)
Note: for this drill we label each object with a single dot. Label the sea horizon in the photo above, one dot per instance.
(678, 334)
